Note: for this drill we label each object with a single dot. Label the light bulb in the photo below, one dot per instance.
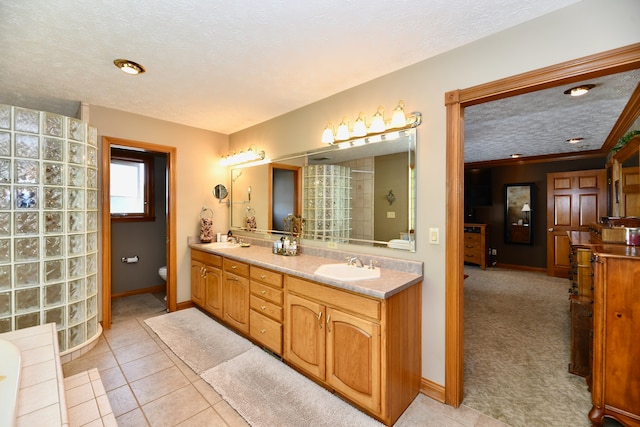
(398, 119)
(343, 131)
(327, 135)
(377, 122)
(359, 128)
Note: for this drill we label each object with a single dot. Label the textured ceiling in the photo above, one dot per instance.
(541, 122)
(227, 65)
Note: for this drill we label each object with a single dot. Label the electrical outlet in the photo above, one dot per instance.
(332, 245)
(391, 214)
(494, 252)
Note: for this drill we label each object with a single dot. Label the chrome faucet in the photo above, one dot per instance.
(354, 260)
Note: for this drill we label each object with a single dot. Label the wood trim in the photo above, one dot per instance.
(609, 62)
(454, 270)
(630, 149)
(627, 118)
(432, 390)
(547, 158)
(297, 190)
(171, 285)
(184, 305)
(149, 290)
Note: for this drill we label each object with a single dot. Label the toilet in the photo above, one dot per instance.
(162, 271)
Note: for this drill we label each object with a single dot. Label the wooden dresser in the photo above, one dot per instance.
(605, 320)
(476, 244)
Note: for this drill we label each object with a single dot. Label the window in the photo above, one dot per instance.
(131, 181)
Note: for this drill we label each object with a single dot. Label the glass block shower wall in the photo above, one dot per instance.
(326, 202)
(48, 224)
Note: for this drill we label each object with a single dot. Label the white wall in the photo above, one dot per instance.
(198, 153)
(584, 28)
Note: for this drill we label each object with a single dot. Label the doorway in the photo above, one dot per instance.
(170, 153)
(617, 60)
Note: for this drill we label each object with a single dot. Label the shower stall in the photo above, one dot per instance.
(48, 224)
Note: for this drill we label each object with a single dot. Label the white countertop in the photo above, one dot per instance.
(304, 265)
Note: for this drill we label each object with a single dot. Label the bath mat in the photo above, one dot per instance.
(267, 393)
(197, 339)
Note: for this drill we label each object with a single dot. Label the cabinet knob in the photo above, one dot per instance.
(262, 276)
(263, 292)
(262, 331)
(263, 307)
(233, 267)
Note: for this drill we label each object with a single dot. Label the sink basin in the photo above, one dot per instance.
(221, 245)
(346, 272)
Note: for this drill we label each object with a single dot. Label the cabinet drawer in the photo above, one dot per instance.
(266, 276)
(267, 308)
(472, 255)
(333, 297)
(267, 292)
(236, 267)
(266, 331)
(471, 240)
(206, 258)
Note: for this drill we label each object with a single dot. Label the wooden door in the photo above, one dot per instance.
(213, 291)
(235, 303)
(631, 191)
(353, 358)
(305, 335)
(574, 200)
(197, 283)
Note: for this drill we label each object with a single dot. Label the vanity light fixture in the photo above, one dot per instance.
(251, 155)
(129, 67)
(574, 140)
(579, 90)
(399, 121)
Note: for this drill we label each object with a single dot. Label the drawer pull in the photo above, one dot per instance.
(262, 276)
(328, 323)
(319, 317)
(263, 307)
(235, 279)
(233, 267)
(262, 331)
(469, 247)
(263, 292)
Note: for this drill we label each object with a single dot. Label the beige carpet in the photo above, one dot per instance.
(198, 340)
(267, 393)
(517, 350)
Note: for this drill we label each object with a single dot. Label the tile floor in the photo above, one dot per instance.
(148, 385)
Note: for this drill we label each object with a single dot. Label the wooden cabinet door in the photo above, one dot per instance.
(235, 304)
(213, 291)
(574, 200)
(305, 335)
(197, 283)
(353, 358)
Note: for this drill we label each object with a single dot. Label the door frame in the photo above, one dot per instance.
(170, 152)
(593, 66)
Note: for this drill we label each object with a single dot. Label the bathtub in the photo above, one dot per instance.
(9, 382)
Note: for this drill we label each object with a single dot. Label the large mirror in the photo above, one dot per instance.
(361, 192)
(518, 211)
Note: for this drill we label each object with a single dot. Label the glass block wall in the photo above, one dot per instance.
(326, 206)
(48, 224)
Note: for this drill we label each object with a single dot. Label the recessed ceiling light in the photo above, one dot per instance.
(574, 140)
(129, 67)
(579, 90)
(515, 155)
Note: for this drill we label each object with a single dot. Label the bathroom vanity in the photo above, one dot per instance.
(360, 339)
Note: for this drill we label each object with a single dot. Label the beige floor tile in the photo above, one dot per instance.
(135, 351)
(109, 420)
(101, 361)
(83, 413)
(175, 407)
(49, 415)
(38, 373)
(133, 418)
(229, 415)
(104, 406)
(119, 327)
(76, 380)
(130, 337)
(487, 421)
(112, 378)
(207, 391)
(122, 400)
(159, 384)
(79, 394)
(186, 370)
(144, 366)
(206, 418)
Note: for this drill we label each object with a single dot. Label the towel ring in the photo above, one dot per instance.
(251, 211)
(204, 210)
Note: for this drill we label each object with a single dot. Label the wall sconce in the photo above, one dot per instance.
(251, 155)
(399, 120)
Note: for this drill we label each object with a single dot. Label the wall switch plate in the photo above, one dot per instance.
(391, 214)
(494, 252)
(434, 236)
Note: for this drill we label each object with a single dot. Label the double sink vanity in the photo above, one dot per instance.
(353, 329)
